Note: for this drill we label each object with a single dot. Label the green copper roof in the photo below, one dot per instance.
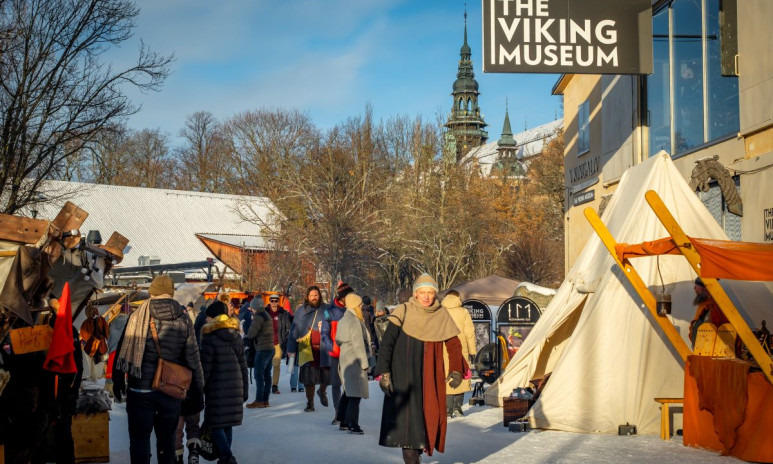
(507, 139)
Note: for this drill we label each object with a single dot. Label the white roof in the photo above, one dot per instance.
(159, 223)
(528, 143)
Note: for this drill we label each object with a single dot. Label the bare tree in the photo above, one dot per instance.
(203, 159)
(149, 161)
(56, 93)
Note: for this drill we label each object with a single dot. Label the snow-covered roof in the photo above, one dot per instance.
(528, 143)
(160, 223)
(254, 242)
(536, 289)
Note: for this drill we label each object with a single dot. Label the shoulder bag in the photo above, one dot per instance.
(305, 353)
(171, 378)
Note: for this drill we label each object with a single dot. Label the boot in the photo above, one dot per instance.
(309, 407)
(411, 456)
(193, 454)
(450, 405)
(458, 400)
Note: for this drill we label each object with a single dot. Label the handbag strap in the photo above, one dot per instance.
(155, 337)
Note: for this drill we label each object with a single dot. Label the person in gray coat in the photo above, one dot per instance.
(261, 334)
(353, 338)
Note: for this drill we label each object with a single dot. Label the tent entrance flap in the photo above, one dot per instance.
(556, 342)
(694, 257)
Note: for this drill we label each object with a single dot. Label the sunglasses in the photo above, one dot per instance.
(274, 299)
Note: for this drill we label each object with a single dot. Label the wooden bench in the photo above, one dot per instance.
(665, 417)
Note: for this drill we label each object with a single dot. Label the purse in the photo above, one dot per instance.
(171, 378)
(305, 353)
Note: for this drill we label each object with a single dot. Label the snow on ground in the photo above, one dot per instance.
(283, 433)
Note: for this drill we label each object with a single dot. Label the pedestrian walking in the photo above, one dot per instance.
(332, 314)
(353, 339)
(306, 327)
(410, 363)
(261, 334)
(225, 378)
(455, 396)
(148, 410)
(188, 425)
(280, 326)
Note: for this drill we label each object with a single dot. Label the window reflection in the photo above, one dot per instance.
(675, 90)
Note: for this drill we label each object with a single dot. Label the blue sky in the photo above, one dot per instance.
(327, 58)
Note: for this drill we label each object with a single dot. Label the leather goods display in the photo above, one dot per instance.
(171, 379)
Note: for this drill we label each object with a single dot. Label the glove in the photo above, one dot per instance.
(454, 379)
(119, 387)
(386, 384)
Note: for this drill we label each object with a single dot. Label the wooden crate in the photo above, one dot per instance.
(514, 408)
(91, 434)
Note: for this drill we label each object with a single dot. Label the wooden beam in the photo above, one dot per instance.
(638, 285)
(712, 285)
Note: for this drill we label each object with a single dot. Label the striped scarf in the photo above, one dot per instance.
(130, 358)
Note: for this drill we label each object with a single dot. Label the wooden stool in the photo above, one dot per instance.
(665, 422)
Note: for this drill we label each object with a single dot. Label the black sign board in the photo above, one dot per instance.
(518, 311)
(584, 197)
(567, 36)
(479, 311)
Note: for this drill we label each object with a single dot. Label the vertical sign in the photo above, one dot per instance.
(567, 36)
(481, 320)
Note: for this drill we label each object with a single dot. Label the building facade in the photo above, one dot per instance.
(708, 103)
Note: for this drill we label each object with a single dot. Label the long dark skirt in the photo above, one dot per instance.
(313, 375)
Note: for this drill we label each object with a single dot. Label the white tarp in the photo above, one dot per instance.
(608, 359)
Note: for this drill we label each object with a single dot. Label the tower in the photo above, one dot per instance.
(465, 125)
(507, 151)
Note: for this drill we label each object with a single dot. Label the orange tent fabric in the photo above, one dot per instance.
(720, 259)
(752, 438)
(60, 358)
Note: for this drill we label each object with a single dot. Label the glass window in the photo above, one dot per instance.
(583, 132)
(689, 102)
(723, 90)
(687, 46)
(658, 86)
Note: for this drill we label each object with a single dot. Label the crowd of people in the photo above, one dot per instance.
(419, 353)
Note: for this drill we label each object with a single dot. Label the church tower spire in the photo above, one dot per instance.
(465, 125)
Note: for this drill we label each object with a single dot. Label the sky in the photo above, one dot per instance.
(327, 58)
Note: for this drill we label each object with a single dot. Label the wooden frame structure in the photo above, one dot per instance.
(687, 249)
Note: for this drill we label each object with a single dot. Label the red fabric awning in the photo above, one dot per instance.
(720, 259)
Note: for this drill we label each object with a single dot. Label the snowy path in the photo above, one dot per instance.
(283, 433)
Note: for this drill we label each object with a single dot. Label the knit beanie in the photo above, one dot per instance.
(257, 303)
(366, 300)
(352, 300)
(216, 308)
(343, 289)
(425, 280)
(161, 285)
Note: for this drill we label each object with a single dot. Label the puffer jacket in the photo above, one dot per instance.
(261, 331)
(225, 372)
(178, 344)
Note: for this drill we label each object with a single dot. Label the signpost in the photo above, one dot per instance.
(481, 319)
(515, 319)
(567, 36)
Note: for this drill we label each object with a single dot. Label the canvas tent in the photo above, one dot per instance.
(607, 357)
(492, 290)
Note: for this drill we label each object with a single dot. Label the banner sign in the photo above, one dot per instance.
(518, 311)
(567, 36)
(479, 311)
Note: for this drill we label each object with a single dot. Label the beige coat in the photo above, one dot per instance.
(466, 336)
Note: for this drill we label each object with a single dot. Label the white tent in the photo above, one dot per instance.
(608, 359)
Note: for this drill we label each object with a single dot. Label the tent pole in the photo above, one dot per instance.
(712, 285)
(638, 284)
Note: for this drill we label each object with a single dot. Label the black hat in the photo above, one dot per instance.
(216, 308)
(366, 300)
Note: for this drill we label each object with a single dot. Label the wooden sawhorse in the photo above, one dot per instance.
(665, 417)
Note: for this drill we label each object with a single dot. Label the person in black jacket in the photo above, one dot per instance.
(281, 320)
(137, 357)
(225, 377)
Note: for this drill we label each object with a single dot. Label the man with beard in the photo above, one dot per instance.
(708, 310)
(309, 317)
